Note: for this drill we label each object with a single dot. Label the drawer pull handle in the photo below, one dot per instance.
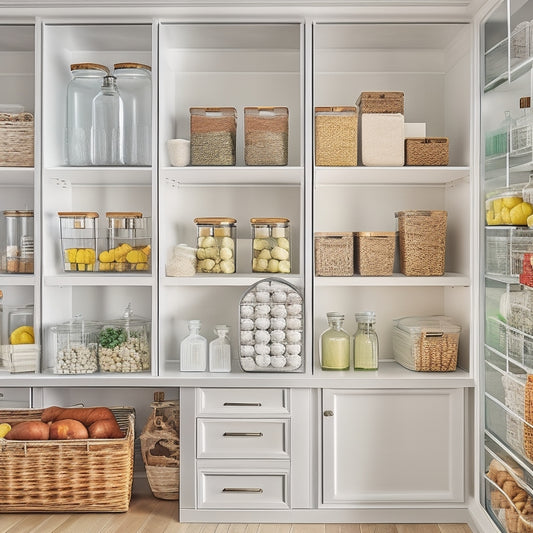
(328, 413)
(231, 489)
(241, 404)
(233, 434)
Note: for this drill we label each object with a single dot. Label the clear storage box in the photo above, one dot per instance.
(74, 346)
(506, 206)
(427, 344)
(17, 256)
(124, 344)
(127, 244)
(266, 136)
(78, 240)
(271, 245)
(336, 136)
(216, 245)
(505, 249)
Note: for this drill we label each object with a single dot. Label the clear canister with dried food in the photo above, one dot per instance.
(74, 345)
(126, 246)
(216, 245)
(124, 344)
(271, 245)
(266, 136)
(213, 136)
(17, 256)
(336, 136)
(79, 231)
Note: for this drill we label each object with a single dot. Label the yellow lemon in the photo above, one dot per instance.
(497, 204)
(511, 201)
(520, 212)
(506, 215)
(4, 430)
(22, 335)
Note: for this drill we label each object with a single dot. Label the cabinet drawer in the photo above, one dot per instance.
(245, 402)
(243, 439)
(14, 397)
(253, 490)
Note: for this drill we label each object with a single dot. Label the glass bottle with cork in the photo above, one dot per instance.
(335, 345)
(365, 346)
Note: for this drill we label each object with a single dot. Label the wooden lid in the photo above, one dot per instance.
(73, 214)
(88, 66)
(205, 110)
(216, 221)
(18, 213)
(260, 221)
(124, 214)
(376, 233)
(118, 66)
(336, 109)
(337, 235)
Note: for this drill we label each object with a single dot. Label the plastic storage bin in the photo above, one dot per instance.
(78, 240)
(127, 244)
(266, 136)
(17, 255)
(336, 136)
(427, 344)
(271, 245)
(213, 133)
(217, 245)
(505, 206)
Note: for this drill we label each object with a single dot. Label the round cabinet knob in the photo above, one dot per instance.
(328, 413)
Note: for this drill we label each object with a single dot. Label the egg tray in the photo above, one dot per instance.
(271, 327)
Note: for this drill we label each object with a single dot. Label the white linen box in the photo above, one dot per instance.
(415, 129)
(382, 139)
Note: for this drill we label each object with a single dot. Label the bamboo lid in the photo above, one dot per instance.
(88, 66)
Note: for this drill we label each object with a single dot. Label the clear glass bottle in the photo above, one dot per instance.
(134, 81)
(335, 344)
(365, 344)
(220, 350)
(107, 125)
(521, 132)
(193, 349)
(83, 87)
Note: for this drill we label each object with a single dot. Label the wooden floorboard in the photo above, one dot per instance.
(151, 515)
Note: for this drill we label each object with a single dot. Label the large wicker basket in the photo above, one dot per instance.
(86, 475)
(422, 242)
(16, 139)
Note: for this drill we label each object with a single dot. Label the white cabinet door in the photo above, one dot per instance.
(392, 445)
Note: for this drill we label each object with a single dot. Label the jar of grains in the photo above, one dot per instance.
(216, 241)
(266, 135)
(124, 344)
(271, 245)
(213, 132)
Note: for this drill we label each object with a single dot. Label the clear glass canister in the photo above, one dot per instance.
(365, 344)
(134, 82)
(266, 135)
(271, 245)
(213, 135)
(335, 344)
(220, 350)
(75, 346)
(18, 251)
(83, 87)
(216, 241)
(506, 206)
(78, 240)
(127, 244)
(124, 344)
(193, 349)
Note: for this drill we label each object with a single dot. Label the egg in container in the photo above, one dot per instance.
(216, 245)
(271, 245)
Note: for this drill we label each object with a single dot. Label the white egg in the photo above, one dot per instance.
(262, 296)
(247, 337)
(277, 335)
(293, 349)
(278, 361)
(294, 336)
(247, 311)
(294, 309)
(262, 349)
(294, 361)
(294, 323)
(277, 348)
(262, 336)
(248, 363)
(279, 297)
(278, 311)
(247, 324)
(247, 350)
(262, 322)
(263, 286)
(294, 298)
(262, 310)
(262, 360)
(278, 323)
(248, 298)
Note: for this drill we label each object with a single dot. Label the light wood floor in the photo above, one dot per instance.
(150, 515)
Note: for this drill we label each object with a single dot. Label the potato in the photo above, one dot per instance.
(68, 429)
(105, 429)
(29, 430)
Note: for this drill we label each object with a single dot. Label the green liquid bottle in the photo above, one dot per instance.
(335, 345)
(365, 343)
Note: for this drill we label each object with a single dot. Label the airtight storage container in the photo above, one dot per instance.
(17, 255)
(271, 245)
(78, 240)
(216, 245)
(506, 206)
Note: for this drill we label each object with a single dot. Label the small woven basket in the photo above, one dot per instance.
(426, 151)
(16, 139)
(374, 253)
(422, 242)
(336, 136)
(88, 475)
(381, 102)
(334, 254)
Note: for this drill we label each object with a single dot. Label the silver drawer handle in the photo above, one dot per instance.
(258, 491)
(230, 434)
(241, 404)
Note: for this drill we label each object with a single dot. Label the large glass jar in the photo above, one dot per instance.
(271, 245)
(365, 344)
(124, 344)
(335, 344)
(18, 250)
(134, 82)
(75, 346)
(83, 87)
(78, 240)
(216, 241)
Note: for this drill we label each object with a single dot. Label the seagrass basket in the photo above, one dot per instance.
(381, 102)
(422, 242)
(83, 475)
(426, 151)
(374, 253)
(16, 139)
(334, 254)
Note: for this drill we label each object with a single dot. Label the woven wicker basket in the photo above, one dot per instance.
(374, 253)
(88, 475)
(381, 102)
(334, 254)
(336, 136)
(16, 139)
(422, 242)
(426, 151)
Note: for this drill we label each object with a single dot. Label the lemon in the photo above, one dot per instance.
(511, 201)
(22, 335)
(4, 430)
(520, 212)
(497, 204)
(493, 219)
